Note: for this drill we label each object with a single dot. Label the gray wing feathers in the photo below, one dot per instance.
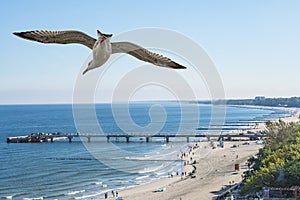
(60, 37)
(145, 55)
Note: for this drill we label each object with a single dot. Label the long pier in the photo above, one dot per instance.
(51, 137)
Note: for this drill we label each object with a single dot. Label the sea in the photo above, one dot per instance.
(87, 170)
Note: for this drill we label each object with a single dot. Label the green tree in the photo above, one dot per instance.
(278, 163)
(292, 173)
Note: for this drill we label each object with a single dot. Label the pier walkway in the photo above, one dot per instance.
(51, 137)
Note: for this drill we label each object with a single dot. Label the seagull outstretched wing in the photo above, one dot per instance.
(59, 37)
(145, 55)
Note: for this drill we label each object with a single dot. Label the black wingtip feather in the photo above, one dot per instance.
(178, 66)
(181, 67)
(17, 33)
(21, 35)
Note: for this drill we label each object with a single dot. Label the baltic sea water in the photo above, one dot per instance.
(62, 170)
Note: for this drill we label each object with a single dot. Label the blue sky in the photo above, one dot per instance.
(255, 45)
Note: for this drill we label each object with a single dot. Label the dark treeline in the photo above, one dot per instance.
(260, 101)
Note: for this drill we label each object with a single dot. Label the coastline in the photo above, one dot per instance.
(294, 117)
(210, 177)
(215, 169)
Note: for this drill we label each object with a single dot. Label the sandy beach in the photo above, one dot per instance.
(214, 170)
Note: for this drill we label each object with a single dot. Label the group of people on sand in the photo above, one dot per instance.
(114, 194)
(189, 160)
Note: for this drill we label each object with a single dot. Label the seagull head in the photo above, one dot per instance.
(103, 37)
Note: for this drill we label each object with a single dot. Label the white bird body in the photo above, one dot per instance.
(101, 52)
(102, 47)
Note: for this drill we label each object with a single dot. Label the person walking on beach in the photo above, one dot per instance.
(117, 194)
(113, 193)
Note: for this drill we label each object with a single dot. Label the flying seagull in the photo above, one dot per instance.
(102, 47)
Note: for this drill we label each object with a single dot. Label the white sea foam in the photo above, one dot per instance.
(88, 196)
(35, 198)
(75, 192)
(92, 196)
(150, 169)
(167, 170)
(98, 183)
(158, 156)
(141, 177)
(160, 173)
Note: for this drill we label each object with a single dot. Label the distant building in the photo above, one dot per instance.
(260, 98)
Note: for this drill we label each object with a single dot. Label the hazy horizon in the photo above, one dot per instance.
(133, 101)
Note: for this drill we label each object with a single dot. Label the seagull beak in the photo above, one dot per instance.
(85, 71)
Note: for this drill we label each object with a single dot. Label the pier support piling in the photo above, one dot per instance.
(127, 139)
(167, 139)
(89, 139)
(70, 139)
(107, 139)
(147, 139)
(187, 139)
